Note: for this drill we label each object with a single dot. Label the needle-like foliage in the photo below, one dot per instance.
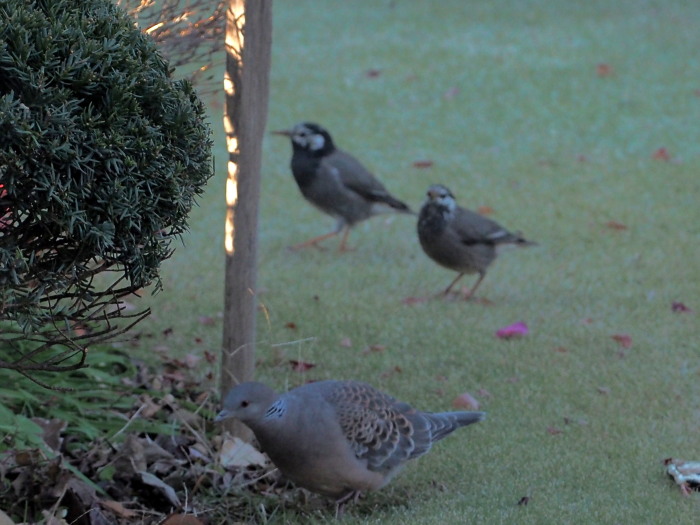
(103, 154)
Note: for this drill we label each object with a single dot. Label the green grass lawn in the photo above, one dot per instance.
(550, 113)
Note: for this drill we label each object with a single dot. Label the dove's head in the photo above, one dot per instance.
(247, 402)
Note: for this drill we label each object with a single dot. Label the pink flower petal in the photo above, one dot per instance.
(518, 329)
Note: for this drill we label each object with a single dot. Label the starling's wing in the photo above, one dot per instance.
(356, 178)
(473, 228)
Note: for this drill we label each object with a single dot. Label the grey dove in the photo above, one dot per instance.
(338, 438)
(335, 182)
(460, 239)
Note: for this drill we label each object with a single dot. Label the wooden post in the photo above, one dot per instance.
(246, 86)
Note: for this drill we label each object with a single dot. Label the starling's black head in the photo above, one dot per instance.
(309, 137)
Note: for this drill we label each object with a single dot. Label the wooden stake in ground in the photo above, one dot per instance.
(246, 85)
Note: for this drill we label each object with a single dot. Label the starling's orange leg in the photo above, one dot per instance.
(314, 241)
(343, 242)
(447, 290)
(470, 293)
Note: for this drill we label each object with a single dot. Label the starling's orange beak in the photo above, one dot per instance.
(285, 132)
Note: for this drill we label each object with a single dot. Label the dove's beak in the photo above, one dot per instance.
(221, 416)
(284, 132)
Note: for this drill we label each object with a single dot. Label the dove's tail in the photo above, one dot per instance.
(445, 423)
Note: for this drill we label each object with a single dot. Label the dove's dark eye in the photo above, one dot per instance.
(244, 404)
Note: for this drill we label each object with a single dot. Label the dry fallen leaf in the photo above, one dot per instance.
(182, 519)
(661, 154)
(604, 70)
(290, 325)
(465, 401)
(679, 307)
(373, 348)
(51, 431)
(237, 453)
(553, 431)
(346, 342)
(5, 519)
(118, 509)
(300, 366)
(165, 489)
(423, 164)
(396, 370)
(373, 73)
(149, 408)
(485, 210)
(624, 340)
(614, 225)
(207, 320)
(192, 360)
(414, 300)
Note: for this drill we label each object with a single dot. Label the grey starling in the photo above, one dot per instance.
(335, 182)
(460, 239)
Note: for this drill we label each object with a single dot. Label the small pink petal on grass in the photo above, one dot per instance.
(553, 431)
(624, 340)
(465, 401)
(514, 330)
(346, 342)
(679, 307)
